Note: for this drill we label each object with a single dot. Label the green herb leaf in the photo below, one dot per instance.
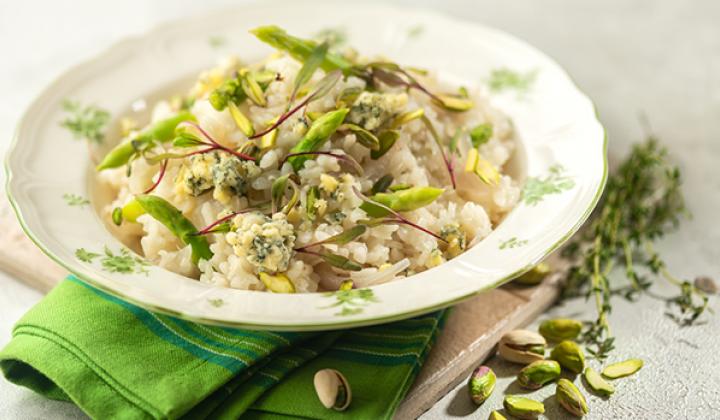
(452, 146)
(325, 84)
(347, 96)
(277, 192)
(343, 237)
(363, 136)
(436, 137)
(386, 139)
(406, 117)
(294, 198)
(117, 216)
(339, 261)
(382, 184)
(184, 140)
(480, 134)
(313, 62)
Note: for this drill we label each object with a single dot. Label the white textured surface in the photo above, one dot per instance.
(659, 57)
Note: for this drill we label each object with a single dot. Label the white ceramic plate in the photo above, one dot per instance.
(563, 143)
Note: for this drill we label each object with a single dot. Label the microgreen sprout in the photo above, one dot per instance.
(211, 143)
(348, 160)
(222, 225)
(161, 174)
(321, 89)
(448, 161)
(394, 218)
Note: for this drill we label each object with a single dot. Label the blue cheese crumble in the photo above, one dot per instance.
(222, 171)
(267, 243)
(373, 109)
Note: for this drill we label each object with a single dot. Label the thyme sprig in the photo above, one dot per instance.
(642, 202)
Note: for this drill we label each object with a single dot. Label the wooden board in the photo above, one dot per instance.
(472, 330)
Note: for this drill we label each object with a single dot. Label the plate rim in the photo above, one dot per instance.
(377, 319)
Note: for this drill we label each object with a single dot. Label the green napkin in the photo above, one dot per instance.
(117, 360)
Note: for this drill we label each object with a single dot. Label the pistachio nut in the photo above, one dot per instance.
(537, 374)
(332, 389)
(534, 276)
(569, 355)
(560, 329)
(620, 369)
(495, 415)
(568, 396)
(481, 384)
(597, 384)
(522, 346)
(523, 408)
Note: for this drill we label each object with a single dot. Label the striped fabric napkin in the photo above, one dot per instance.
(116, 360)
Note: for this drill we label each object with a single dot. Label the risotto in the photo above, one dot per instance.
(314, 169)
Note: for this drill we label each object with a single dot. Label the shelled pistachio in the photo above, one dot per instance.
(560, 329)
(523, 408)
(570, 398)
(537, 374)
(569, 355)
(481, 384)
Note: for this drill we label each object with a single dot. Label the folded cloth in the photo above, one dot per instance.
(116, 360)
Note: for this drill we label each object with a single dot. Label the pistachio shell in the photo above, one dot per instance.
(481, 384)
(523, 408)
(494, 415)
(569, 355)
(522, 346)
(332, 389)
(571, 398)
(539, 373)
(560, 329)
(597, 384)
(534, 276)
(621, 369)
